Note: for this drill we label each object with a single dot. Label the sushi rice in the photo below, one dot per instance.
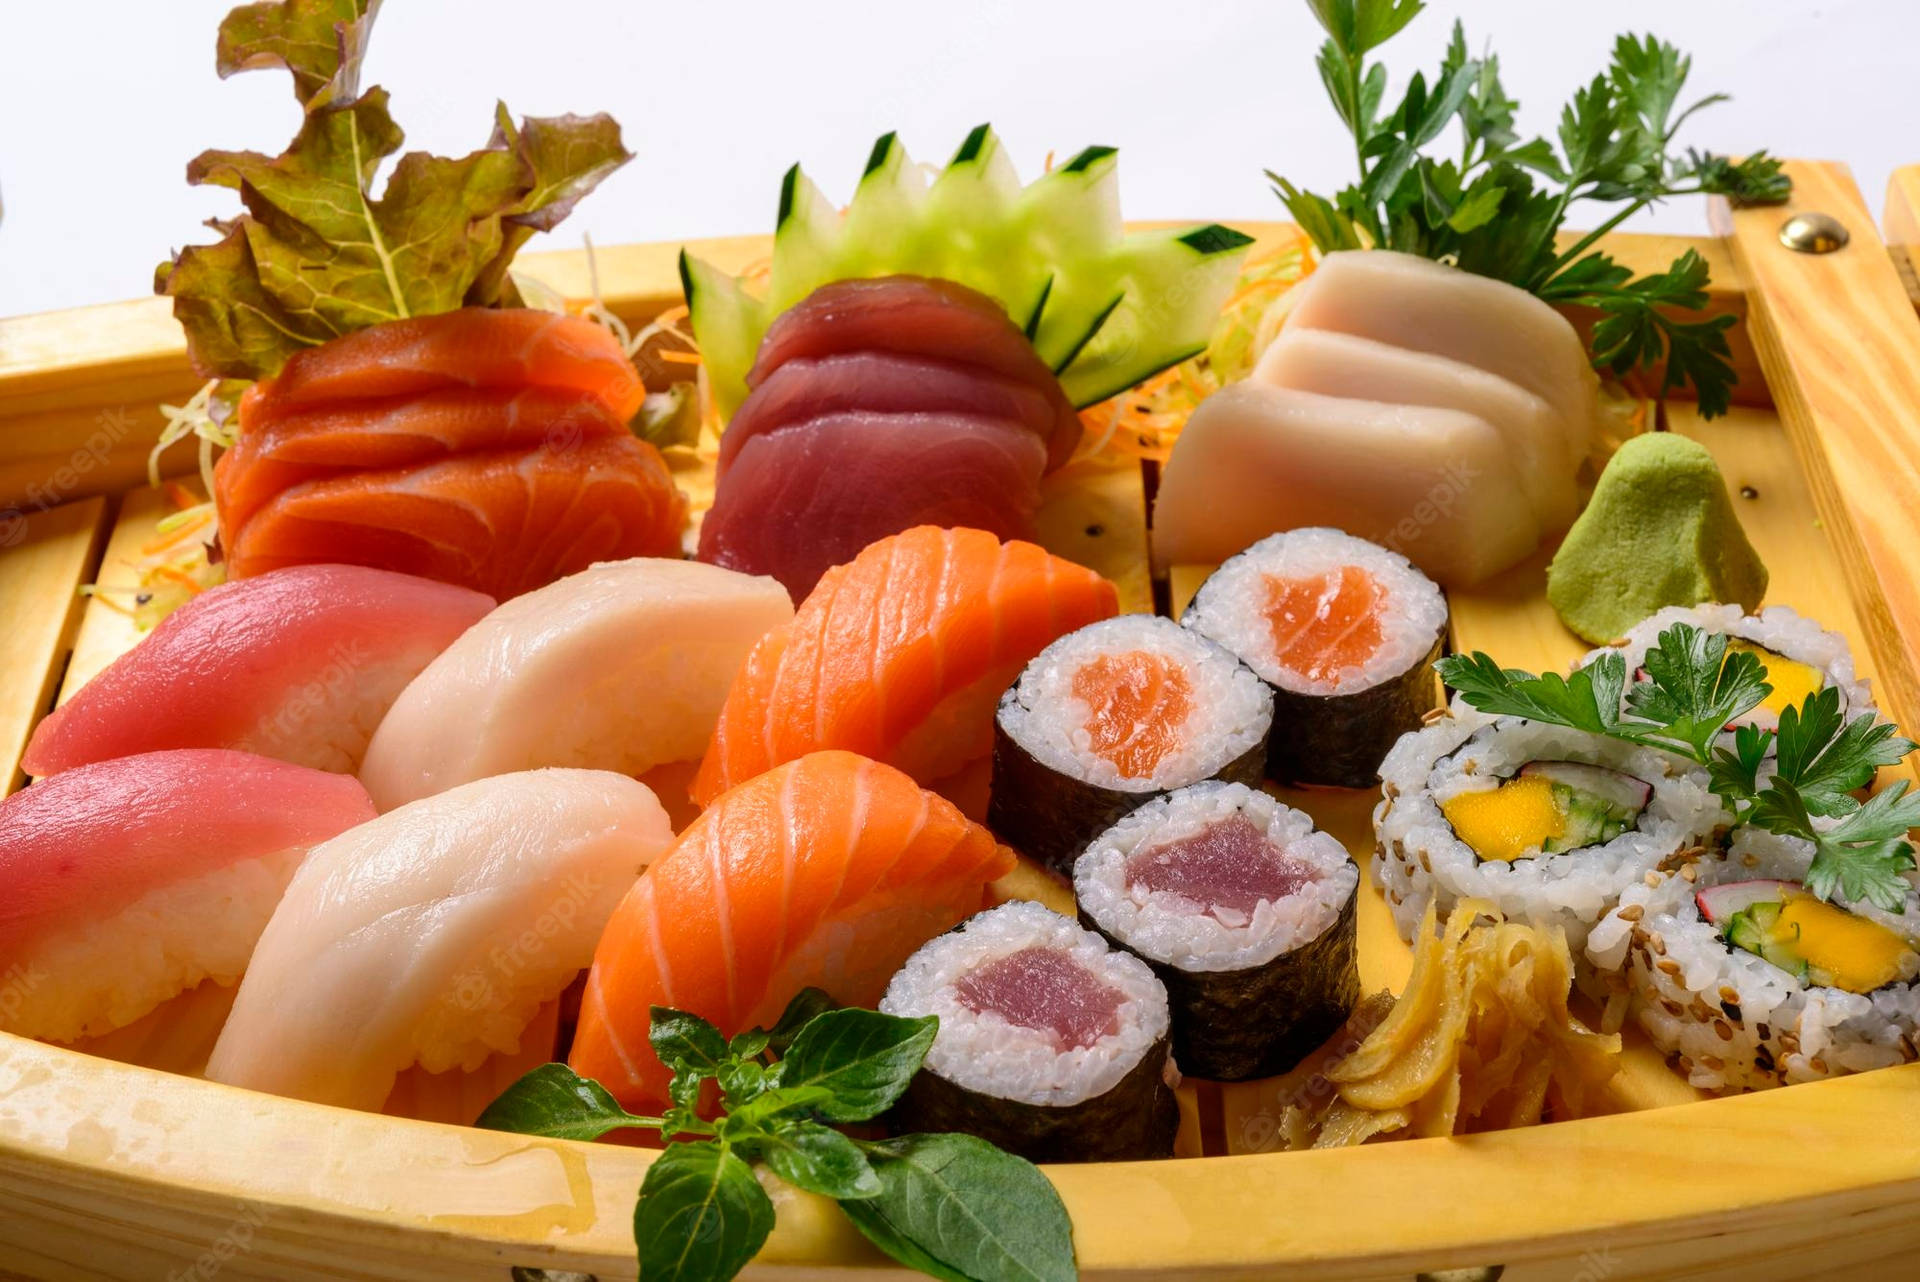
(1731, 1020)
(89, 979)
(1418, 856)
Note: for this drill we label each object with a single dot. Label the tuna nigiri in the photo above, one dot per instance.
(503, 522)
(620, 667)
(131, 881)
(299, 665)
(901, 655)
(827, 872)
(510, 347)
(434, 935)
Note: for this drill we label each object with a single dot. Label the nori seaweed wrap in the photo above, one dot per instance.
(1111, 716)
(1246, 915)
(1051, 1045)
(1345, 632)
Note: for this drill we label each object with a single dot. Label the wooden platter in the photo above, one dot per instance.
(117, 1170)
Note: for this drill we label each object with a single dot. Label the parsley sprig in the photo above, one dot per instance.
(1692, 691)
(1498, 208)
(951, 1206)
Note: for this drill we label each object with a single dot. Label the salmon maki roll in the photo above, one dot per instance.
(827, 872)
(502, 523)
(901, 655)
(511, 347)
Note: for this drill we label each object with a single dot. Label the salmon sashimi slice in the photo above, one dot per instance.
(1138, 702)
(502, 523)
(513, 347)
(397, 432)
(1325, 624)
(813, 387)
(807, 498)
(299, 665)
(913, 316)
(901, 655)
(827, 872)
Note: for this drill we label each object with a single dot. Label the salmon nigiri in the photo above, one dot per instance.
(502, 522)
(473, 347)
(131, 881)
(827, 872)
(436, 934)
(901, 655)
(299, 665)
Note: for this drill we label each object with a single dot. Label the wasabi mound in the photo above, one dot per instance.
(1659, 531)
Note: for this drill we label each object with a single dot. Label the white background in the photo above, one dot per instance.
(103, 102)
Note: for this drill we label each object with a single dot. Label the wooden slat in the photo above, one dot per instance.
(1901, 222)
(1840, 344)
(44, 558)
(107, 629)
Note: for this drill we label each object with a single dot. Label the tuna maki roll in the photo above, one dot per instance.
(1051, 1045)
(1747, 980)
(1243, 910)
(1548, 823)
(1111, 716)
(1345, 631)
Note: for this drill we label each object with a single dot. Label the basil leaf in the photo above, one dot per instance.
(863, 1058)
(957, 1208)
(757, 1114)
(686, 1043)
(806, 1005)
(821, 1160)
(702, 1215)
(555, 1101)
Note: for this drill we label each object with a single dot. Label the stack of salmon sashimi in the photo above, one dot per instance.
(483, 447)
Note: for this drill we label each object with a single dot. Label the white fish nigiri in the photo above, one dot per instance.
(1336, 364)
(128, 882)
(623, 666)
(1415, 302)
(299, 665)
(434, 934)
(1436, 485)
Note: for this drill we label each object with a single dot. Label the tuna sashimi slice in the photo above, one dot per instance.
(1229, 865)
(815, 387)
(1047, 990)
(435, 934)
(398, 432)
(620, 667)
(515, 347)
(300, 664)
(901, 655)
(827, 872)
(807, 498)
(916, 317)
(502, 523)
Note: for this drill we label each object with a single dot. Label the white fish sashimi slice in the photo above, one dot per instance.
(623, 667)
(434, 934)
(1336, 364)
(1427, 306)
(1435, 485)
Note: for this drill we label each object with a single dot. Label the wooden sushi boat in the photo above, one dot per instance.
(108, 1169)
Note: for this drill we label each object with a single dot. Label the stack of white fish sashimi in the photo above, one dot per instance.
(1442, 414)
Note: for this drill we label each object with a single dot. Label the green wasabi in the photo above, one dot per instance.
(1660, 530)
